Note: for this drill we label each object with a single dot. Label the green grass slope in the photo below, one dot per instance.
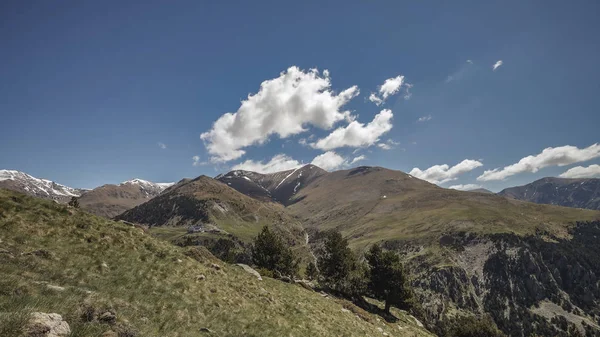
(370, 204)
(59, 260)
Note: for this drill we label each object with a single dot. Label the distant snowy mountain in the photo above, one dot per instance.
(111, 200)
(42, 188)
(278, 186)
(148, 187)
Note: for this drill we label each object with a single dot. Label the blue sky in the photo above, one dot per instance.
(89, 89)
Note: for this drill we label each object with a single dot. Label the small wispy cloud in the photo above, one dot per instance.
(162, 145)
(465, 187)
(357, 159)
(197, 162)
(469, 61)
(497, 65)
(388, 145)
(424, 118)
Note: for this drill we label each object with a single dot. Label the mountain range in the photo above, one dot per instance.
(525, 264)
(580, 193)
(111, 200)
(41, 188)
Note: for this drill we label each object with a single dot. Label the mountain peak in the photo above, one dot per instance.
(146, 183)
(43, 188)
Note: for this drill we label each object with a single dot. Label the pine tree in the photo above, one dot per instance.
(74, 202)
(311, 271)
(270, 252)
(387, 279)
(339, 267)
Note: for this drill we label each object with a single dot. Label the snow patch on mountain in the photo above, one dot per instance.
(38, 187)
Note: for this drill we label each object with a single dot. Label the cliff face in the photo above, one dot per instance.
(534, 285)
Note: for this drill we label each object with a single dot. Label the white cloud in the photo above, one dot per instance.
(302, 141)
(357, 134)
(388, 145)
(196, 161)
(162, 145)
(497, 65)
(592, 171)
(407, 93)
(439, 174)
(357, 159)
(329, 161)
(551, 156)
(283, 106)
(465, 187)
(424, 118)
(390, 87)
(280, 162)
(375, 99)
(469, 61)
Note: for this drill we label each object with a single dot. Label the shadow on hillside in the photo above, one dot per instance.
(374, 309)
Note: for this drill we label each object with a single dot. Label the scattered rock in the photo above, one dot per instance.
(110, 333)
(386, 334)
(107, 317)
(380, 329)
(215, 266)
(200, 277)
(179, 261)
(323, 294)
(47, 325)
(286, 279)
(345, 310)
(207, 330)
(305, 284)
(250, 270)
(55, 288)
(104, 265)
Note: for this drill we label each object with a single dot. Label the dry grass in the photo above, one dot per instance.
(153, 287)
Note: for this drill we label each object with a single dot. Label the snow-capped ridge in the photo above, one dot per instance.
(44, 188)
(147, 185)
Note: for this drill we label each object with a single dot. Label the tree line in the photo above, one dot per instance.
(338, 269)
(380, 275)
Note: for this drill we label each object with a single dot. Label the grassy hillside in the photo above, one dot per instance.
(223, 213)
(370, 204)
(59, 260)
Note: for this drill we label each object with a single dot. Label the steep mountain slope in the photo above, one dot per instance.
(580, 193)
(41, 188)
(278, 187)
(112, 200)
(106, 278)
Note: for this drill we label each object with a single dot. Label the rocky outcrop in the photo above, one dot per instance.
(535, 285)
(47, 325)
(250, 270)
